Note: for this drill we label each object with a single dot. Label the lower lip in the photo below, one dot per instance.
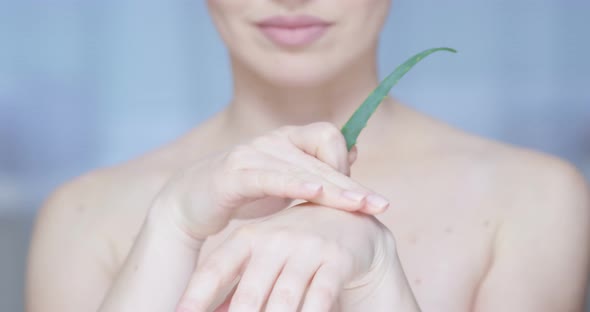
(294, 37)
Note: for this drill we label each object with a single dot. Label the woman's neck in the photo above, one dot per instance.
(259, 106)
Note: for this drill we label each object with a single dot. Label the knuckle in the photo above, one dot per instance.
(237, 157)
(246, 297)
(337, 251)
(347, 265)
(261, 180)
(343, 251)
(288, 182)
(329, 173)
(324, 125)
(211, 268)
(244, 232)
(191, 304)
(265, 140)
(325, 295)
(271, 142)
(329, 132)
(286, 296)
(285, 130)
(332, 248)
(280, 238)
(312, 242)
(307, 243)
(241, 150)
(218, 184)
(293, 172)
(276, 242)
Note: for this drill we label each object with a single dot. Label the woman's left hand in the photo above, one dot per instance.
(301, 257)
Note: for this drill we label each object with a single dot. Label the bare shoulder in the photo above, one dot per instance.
(84, 216)
(71, 248)
(119, 196)
(536, 180)
(87, 226)
(97, 194)
(109, 204)
(531, 194)
(516, 175)
(526, 180)
(541, 245)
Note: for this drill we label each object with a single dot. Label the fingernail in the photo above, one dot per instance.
(377, 201)
(355, 196)
(313, 187)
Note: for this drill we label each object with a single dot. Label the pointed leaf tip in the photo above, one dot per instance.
(359, 119)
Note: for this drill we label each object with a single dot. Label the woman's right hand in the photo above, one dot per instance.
(305, 162)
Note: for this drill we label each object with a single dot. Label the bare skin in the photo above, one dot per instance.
(472, 225)
(479, 226)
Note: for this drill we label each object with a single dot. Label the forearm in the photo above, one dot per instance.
(156, 271)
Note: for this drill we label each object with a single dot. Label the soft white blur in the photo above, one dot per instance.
(85, 84)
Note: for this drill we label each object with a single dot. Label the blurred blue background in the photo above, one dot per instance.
(85, 84)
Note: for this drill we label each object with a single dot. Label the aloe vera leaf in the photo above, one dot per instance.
(359, 119)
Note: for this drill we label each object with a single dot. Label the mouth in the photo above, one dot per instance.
(293, 31)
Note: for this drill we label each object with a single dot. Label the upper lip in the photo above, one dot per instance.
(292, 21)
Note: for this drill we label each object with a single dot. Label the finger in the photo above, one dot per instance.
(374, 203)
(259, 183)
(217, 272)
(302, 156)
(324, 289)
(352, 155)
(321, 149)
(323, 141)
(257, 282)
(351, 189)
(256, 184)
(289, 289)
(224, 307)
(294, 174)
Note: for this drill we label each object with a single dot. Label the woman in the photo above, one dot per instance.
(473, 225)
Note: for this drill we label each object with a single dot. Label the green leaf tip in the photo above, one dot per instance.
(359, 119)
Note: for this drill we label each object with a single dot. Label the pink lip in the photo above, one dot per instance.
(293, 31)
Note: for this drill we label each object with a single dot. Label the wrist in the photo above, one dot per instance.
(166, 223)
(186, 206)
(384, 287)
(384, 253)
